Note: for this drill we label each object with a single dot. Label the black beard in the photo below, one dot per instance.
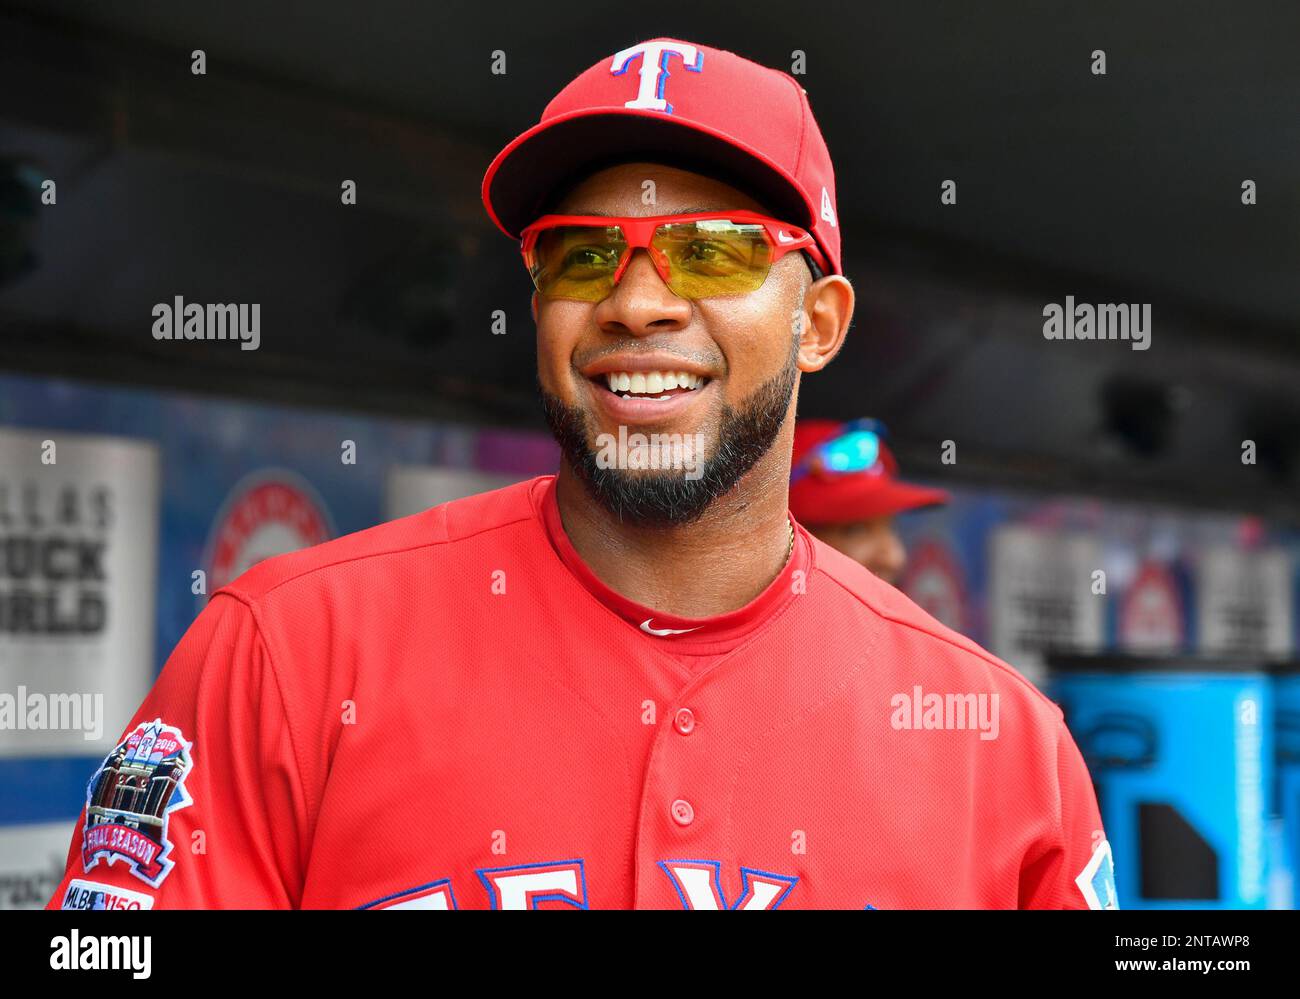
(668, 498)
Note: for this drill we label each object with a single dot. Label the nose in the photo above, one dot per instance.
(641, 303)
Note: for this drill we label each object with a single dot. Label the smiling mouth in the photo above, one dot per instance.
(652, 386)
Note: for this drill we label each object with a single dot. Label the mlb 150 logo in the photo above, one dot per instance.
(95, 895)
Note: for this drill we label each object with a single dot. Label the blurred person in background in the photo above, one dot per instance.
(844, 488)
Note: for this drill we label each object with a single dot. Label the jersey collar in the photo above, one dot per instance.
(693, 635)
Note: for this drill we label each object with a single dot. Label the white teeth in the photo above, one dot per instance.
(651, 382)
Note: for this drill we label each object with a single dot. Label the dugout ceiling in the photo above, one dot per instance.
(1120, 188)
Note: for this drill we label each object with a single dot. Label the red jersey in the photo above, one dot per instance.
(452, 711)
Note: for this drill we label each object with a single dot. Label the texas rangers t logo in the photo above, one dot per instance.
(654, 70)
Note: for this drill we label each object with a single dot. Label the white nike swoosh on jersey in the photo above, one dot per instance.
(661, 632)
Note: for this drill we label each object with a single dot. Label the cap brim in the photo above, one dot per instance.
(558, 152)
(855, 498)
(903, 496)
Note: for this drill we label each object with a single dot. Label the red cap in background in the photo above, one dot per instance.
(679, 102)
(851, 496)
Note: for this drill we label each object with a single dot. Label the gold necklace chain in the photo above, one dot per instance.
(790, 547)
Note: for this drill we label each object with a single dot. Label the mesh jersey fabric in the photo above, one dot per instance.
(449, 711)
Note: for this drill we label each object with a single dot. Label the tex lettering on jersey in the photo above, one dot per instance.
(699, 885)
(526, 886)
(131, 796)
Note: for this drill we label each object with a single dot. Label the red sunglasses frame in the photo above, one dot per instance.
(639, 230)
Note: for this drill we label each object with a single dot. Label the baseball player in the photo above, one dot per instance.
(844, 487)
(638, 682)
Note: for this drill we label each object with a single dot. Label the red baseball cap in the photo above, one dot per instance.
(675, 101)
(851, 496)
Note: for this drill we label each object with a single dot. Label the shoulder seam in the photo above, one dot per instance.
(978, 651)
(279, 689)
(230, 588)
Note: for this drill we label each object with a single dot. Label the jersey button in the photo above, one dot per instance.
(684, 721)
(683, 813)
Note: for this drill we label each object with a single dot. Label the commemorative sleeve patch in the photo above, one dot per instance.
(1097, 880)
(86, 895)
(129, 800)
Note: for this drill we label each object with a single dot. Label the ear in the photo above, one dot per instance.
(827, 313)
